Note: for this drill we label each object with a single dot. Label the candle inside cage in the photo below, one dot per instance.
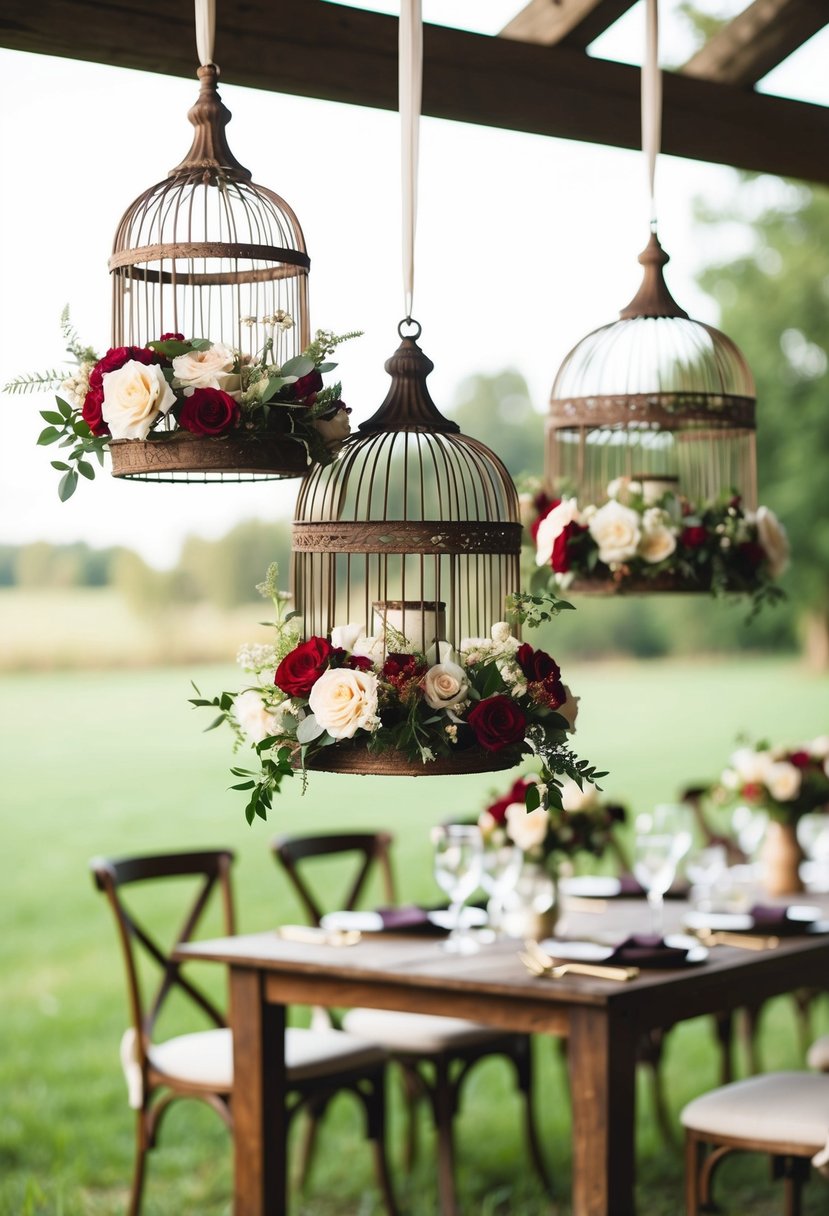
(421, 623)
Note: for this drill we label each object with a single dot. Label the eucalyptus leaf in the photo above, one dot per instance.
(50, 434)
(309, 729)
(67, 485)
(300, 365)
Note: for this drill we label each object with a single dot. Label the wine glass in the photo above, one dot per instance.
(501, 866)
(674, 819)
(458, 863)
(749, 826)
(705, 868)
(813, 837)
(654, 865)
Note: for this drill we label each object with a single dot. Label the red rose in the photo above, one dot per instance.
(208, 411)
(299, 671)
(307, 386)
(518, 792)
(543, 676)
(497, 723)
(560, 558)
(172, 338)
(800, 759)
(358, 662)
(693, 537)
(91, 411)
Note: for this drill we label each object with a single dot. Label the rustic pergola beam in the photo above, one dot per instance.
(573, 23)
(757, 40)
(314, 49)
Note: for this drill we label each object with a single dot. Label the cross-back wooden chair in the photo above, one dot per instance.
(200, 1064)
(435, 1054)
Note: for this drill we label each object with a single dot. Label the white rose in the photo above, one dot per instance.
(750, 766)
(134, 396)
(444, 685)
(773, 538)
(334, 430)
(654, 487)
(783, 781)
(345, 701)
(527, 829)
(500, 632)
(551, 527)
(615, 530)
(255, 718)
(819, 747)
(345, 637)
(569, 709)
(204, 368)
(373, 648)
(656, 544)
(575, 799)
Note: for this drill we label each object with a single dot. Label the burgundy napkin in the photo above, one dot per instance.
(646, 950)
(776, 919)
(631, 889)
(408, 918)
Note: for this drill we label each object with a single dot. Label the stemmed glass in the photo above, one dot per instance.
(501, 866)
(749, 826)
(458, 864)
(654, 866)
(813, 837)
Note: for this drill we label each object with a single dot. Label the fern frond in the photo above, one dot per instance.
(35, 381)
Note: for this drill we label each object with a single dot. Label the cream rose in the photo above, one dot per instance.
(445, 685)
(656, 544)
(551, 527)
(334, 430)
(783, 781)
(255, 718)
(345, 637)
(615, 529)
(527, 829)
(751, 767)
(773, 538)
(575, 799)
(819, 747)
(134, 396)
(204, 368)
(569, 709)
(345, 701)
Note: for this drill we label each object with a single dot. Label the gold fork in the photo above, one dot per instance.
(746, 941)
(541, 964)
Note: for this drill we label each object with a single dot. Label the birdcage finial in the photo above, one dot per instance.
(210, 152)
(408, 405)
(653, 298)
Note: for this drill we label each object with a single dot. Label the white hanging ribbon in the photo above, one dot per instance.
(651, 101)
(205, 30)
(410, 60)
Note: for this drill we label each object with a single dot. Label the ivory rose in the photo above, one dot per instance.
(344, 701)
(255, 718)
(783, 781)
(527, 829)
(575, 799)
(445, 685)
(773, 538)
(210, 368)
(615, 529)
(656, 544)
(134, 396)
(551, 527)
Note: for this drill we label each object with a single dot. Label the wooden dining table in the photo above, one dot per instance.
(601, 1019)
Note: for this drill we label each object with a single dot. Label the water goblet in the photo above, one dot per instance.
(458, 860)
(501, 866)
(654, 866)
(705, 868)
(673, 819)
(749, 826)
(813, 838)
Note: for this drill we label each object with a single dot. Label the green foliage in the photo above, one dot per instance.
(500, 405)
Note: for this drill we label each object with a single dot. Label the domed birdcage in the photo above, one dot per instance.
(657, 398)
(208, 255)
(412, 533)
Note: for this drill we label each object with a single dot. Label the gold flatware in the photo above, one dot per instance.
(579, 903)
(540, 963)
(310, 935)
(744, 941)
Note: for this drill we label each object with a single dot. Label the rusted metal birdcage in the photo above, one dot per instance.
(656, 397)
(208, 254)
(413, 530)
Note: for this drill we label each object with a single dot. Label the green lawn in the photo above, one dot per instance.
(114, 763)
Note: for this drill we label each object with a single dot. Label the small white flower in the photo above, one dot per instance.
(819, 747)
(257, 720)
(750, 766)
(500, 632)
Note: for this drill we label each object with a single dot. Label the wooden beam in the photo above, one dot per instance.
(573, 23)
(759, 38)
(315, 49)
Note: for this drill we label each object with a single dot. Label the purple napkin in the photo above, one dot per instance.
(631, 889)
(776, 919)
(646, 950)
(408, 918)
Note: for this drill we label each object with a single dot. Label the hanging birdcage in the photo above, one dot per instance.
(656, 398)
(412, 535)
(208, 255)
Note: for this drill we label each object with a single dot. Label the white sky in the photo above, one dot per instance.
(78, 142)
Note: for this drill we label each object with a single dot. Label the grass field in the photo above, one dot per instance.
(114, 762)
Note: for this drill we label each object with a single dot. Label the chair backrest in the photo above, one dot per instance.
(693, 796)
(211, 872)
(370, 849)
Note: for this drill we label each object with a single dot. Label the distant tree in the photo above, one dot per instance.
(498, 410)
(225, 572)
(774, 303)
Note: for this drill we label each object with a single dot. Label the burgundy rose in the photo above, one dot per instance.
(307, 386)
(208, 411)
(404, 672)
(358, 662)
(560, 558)
(751, 554)
(498, 809)
(693, 537)
(91, 411)
(800, 759)
(543, 676)
(498, 722)
(299, 671)
(172, 338)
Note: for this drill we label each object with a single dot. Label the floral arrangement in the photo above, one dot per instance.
(582, 823)
(189, 384)
(379, 692)
(647, 530)
(785, 782)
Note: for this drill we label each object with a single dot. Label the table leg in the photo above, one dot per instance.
(602, 1060)
(259, 1108)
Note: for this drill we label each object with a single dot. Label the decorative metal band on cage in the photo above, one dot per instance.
(206, 255)
(655, 397)
(413, 533)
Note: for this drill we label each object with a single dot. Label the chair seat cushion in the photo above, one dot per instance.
(789, 1107)
(206, 1057)
(415, 1032)
(818, 1056)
